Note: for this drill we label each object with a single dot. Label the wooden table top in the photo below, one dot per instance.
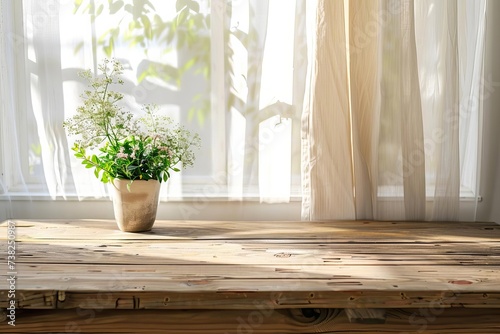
(237, 264)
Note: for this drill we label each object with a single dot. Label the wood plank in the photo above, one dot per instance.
(348, 231)
(233, 252)
(362, 277)
(249, 299)
(442, 321)
(257, 278)
(279, 300)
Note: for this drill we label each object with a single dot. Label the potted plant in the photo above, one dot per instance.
(134, 153)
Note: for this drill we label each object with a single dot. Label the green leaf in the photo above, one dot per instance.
(201, 117)
(170, 35)
(188, 64)
(108, 50)
(133, 25)
(182, 16)
(181, 4)
(148, 3)
(99, 10)
(191, 114)
(167, 73)
(78, 47)
(194, 6)
(147, 27)
(143, 75)
(116, 6)
(105, 178)
(129, 8)
(176, 169)
(78, 3)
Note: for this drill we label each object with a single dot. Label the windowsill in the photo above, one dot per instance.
(386, 193)
(189, 208)
(185, 198)
(191, 194)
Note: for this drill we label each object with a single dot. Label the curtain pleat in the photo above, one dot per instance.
(412, 137)
(364, 70)
(48, 105)
(447, 190)
(7, 98)
(328, 159)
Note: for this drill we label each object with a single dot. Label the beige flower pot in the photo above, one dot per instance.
(135, 206)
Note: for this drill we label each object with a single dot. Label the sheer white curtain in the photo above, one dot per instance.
(391, 120)
(265, 85)
(238, 80)
(7, 38)
(43, 86)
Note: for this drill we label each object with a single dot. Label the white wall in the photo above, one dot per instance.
(489, 208)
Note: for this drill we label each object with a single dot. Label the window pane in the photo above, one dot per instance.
(169, 50)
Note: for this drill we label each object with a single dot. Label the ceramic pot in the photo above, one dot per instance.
(135, 204)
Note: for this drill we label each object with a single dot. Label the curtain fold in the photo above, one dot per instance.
(7, 98)
(47, 99)
(411, 117)
(389, 113)
(446, 155)
(326, 120)
(364, 71)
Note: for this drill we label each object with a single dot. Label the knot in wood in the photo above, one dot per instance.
(282, 255)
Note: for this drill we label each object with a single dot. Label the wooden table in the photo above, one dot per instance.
(86, 276)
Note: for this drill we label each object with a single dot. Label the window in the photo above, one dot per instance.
(236, 73)
(227, 70)
(432, 58)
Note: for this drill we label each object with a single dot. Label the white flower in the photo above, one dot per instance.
(122, 155)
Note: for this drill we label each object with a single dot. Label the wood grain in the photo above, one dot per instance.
(437, 321)
(225, 268)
